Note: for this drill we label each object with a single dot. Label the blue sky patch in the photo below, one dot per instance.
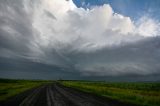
(131, 8)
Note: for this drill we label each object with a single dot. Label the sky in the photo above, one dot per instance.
(132, 8)
(112, 40)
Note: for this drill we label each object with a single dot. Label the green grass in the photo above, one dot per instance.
(10, 88)
(144, 94)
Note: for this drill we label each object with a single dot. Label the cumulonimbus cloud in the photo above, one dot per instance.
(96, 40)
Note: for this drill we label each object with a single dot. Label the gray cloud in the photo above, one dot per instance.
(90, 43)
(141, 58)
(50, 14)
(15, 27)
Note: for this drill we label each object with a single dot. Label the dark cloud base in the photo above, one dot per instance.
(25, 69)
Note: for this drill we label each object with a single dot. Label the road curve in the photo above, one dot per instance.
(58, 95)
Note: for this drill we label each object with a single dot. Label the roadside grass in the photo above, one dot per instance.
(10, 88)
(143, 94)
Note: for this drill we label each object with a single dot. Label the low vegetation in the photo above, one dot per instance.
(144, 94)
(10, 88)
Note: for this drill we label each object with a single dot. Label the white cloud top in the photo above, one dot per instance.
(60, 22)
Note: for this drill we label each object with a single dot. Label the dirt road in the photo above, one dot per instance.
(58, 95)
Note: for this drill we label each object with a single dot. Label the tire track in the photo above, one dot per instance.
(31, 99)
(79, 99)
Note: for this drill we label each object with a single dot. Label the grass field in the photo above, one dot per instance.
(144, 94)
(10, 88)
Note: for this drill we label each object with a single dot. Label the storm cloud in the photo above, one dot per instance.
(71, 41)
